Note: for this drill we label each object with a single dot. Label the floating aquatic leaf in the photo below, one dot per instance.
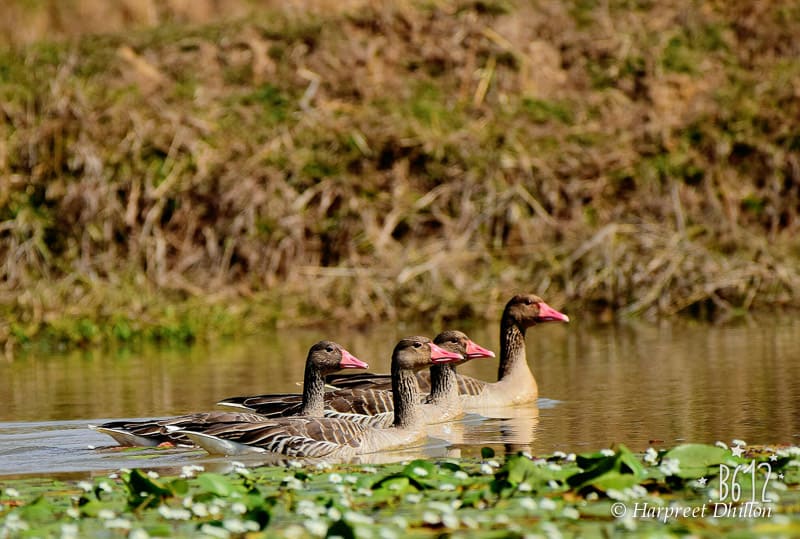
(694, 460)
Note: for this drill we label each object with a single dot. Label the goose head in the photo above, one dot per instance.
(416, 353)
(526, 310)
(458, 342)
(329, 357)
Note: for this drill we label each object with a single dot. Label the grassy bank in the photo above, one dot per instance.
(390, 161)
(685, 490)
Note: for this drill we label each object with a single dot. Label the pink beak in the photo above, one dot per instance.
(548, 314)
(476, 351)
(440, 355)
(349, 361)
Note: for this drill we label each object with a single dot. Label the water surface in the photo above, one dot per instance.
(636, 384)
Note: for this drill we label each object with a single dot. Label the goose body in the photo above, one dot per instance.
(515, 382)
(374, 405)
(332, 437)
(323, 358)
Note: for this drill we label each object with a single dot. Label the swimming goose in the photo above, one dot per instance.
(323, 358)
(373, 406)
(515, 382)
(335, 437)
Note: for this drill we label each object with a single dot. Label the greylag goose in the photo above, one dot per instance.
(515, 382)
(373, 406)
(335, 437)
(323, 358)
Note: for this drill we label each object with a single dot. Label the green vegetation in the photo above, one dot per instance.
(580, 496)
(364, 162)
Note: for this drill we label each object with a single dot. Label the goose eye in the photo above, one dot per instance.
(329, 349)
(417, 345)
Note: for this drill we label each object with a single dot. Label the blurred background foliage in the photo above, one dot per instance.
(179, 168)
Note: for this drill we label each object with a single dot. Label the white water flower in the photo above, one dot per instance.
(316, 527)
(413, 498)
(670, 466)
(335, 478)
(593, 497)
(740, 443)
(11, 492)
(334, 514)
(400, 522)
(553, 484)
(118, 524)
(363, 491)
(138, 533)
(153, 474)
(571, 457)
(69, 531)
(295, 464)
(292, 483)
(357, 518)
(650, 456)
(450, 521)
(386, 533)
(352, 479)
(547, 504)
(200, 509)
(553, 466)
(721, 444)
(559, 454)
(493, 463)
(73, 512)
(323, 466)
(447, 487)
(239, 508)
(191, 470)
(461, 475)
(550, 530)
(501, 518)
(369, 469)
(571, 513)
(486, 469)
(106, 514)
(104, 486)
(215, 531)
(607, 452)
(174, 513)
(419, 471)
(234, 525)
(85, 485)
(529, 504)
(525, 487)
(429, 517)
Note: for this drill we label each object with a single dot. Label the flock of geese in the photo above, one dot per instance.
(343, 415)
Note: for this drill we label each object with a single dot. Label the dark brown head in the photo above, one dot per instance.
(329, 357)
(526, 310)
(415, 353)
(458, 342)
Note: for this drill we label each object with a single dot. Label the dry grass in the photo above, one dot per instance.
(388, 161)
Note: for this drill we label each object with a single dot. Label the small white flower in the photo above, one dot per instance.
(486, 469)
(525, 487)
(740, 443)
(352, 479)
(215, 531)
(553, 483)
(316, 527)
(571, 513)
(559, 454)
(106, 514)
(138, 533)
(571, 457)
(493, 463)
(239, 508)
(188, 501)
(447, 487)
(104, 486)
(550, 530)
(413, 498)
(234, 525)
(607, 452)
(73, 512)
(501, 518)
(292, 483)
(429, 517)
(461, 475)
(400, 522)
(200, 509)
(419, 471)
(113, 475)
(11, 492)
(174, 513)
(85, 485)
(357, 518)
(615, 494)
(118, 524)
(721, 444)
(14, 523)
(190, 470)
(526, 454)
(334, 514)
(553, 466)
(593, 497)
(335, 478)
(295, 464)
(670, 466)
(547, 504)
(628, 522)
(470, 523)
(529, 504)
(650, 456)
(68, 531)
(363, 491)
(369, 469)
(152, 474)
(450, 521)
(323, 466)
(237, 464)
